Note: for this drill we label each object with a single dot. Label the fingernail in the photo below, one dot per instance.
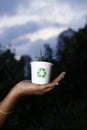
(57, 83)
(64, 73)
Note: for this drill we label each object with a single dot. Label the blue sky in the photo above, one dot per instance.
(28, 24)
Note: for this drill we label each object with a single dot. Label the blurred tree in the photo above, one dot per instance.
(72, 51)
(48, 52)
(11, 70)
(73, 59)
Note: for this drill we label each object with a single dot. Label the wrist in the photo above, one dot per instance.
(7, 104)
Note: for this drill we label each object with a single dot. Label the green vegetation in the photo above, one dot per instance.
(40, 58)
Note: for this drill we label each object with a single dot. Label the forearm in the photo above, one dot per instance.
(7, 104)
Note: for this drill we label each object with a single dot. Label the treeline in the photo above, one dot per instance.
(63, 107)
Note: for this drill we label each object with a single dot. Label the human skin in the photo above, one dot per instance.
(24, 88)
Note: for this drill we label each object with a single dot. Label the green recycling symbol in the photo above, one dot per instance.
(41, 73)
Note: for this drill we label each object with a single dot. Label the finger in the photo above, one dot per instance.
(48, 87)
(47, 90)
(52, 84)
(60, 77)
(43, 91)
(56, 81)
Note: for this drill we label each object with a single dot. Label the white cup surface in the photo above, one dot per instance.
(41, 72)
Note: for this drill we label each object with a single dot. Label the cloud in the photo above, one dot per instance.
(31, 43)
(28, 24)
(32, 47)
(33, 30)
(14, 32)
(10, 7)
(46, 33)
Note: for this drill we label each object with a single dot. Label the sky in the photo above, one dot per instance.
(28, 24)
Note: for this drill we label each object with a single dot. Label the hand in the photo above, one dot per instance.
(23, 88)
(26, 87)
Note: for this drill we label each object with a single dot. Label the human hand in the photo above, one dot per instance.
(26, 87)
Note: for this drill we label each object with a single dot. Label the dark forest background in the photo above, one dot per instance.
(63, 107)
